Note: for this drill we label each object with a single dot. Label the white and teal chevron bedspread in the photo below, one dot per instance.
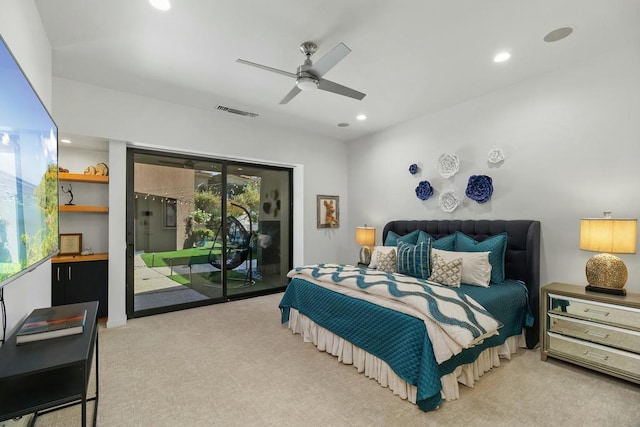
(454, 322)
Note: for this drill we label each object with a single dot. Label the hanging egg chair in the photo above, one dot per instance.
(238, 246)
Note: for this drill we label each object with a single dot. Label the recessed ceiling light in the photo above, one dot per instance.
(161, 4)
(501, 57)
(343, 125)
(361, 117)
(66, 141)
(558, 34)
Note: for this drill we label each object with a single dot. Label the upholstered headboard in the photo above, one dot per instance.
(522, 258)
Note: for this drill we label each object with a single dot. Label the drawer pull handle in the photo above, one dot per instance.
(587, 310)
(596, 334)
(596, 355)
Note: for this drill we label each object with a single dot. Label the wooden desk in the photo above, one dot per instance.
(47, 375)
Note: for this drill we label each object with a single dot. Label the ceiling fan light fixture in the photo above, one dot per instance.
(307, 83)
(309, 75)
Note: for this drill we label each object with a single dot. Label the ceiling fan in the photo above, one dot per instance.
(309, 75)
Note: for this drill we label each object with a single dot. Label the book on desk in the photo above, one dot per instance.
(51, 322)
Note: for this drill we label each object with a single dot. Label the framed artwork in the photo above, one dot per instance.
(328, 211)
(70, 243)
(169, 214)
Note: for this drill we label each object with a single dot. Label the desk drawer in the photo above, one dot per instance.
(626, 317)
(603, 334)
(594, 354)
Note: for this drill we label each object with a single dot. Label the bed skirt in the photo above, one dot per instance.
(378, 370)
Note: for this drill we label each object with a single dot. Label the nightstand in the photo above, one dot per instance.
(594, 330)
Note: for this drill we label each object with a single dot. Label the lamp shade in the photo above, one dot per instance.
(606, 272)
(366, 236)
(608, 235)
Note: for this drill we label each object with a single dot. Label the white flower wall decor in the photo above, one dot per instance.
(495, 156)
(448, 165)
(448, 201)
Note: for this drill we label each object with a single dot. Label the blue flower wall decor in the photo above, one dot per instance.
(479, 188)
(424, 190)
(413, 169)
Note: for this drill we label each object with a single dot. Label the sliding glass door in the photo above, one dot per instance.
(201, 231)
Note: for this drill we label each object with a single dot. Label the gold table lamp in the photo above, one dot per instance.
(366, 237)
(606, 272)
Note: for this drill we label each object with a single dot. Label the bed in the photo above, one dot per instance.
(400, 329)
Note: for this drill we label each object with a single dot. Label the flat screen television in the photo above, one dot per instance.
(28, 173)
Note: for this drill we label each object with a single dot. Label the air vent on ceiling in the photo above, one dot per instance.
(234, 111)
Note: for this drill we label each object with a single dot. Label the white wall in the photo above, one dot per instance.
(22, 30)
(320, 163)
(572, 145)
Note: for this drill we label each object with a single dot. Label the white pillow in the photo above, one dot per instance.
(476, 268)
(379, 249)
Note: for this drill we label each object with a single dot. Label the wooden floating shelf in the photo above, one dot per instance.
(97, 209)
(79, 258)
(78, 177)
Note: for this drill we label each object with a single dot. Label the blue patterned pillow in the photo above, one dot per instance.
(413, 260)
(446, 243)
(393, 239)
(497, 245)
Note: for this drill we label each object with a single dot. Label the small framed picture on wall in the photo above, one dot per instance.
(328, 211)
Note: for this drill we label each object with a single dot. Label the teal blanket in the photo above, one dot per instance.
(409, 354)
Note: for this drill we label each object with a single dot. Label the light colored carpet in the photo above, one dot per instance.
(233, 364)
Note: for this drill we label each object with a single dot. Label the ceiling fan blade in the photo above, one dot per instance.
(330, 86)
(264, 67)
(293, 92)
(327, 62)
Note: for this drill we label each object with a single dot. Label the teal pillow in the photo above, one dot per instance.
(423, 237)
(394, 238)
(446, 243)
(497, 245)
(413, 260)
(411, 238)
